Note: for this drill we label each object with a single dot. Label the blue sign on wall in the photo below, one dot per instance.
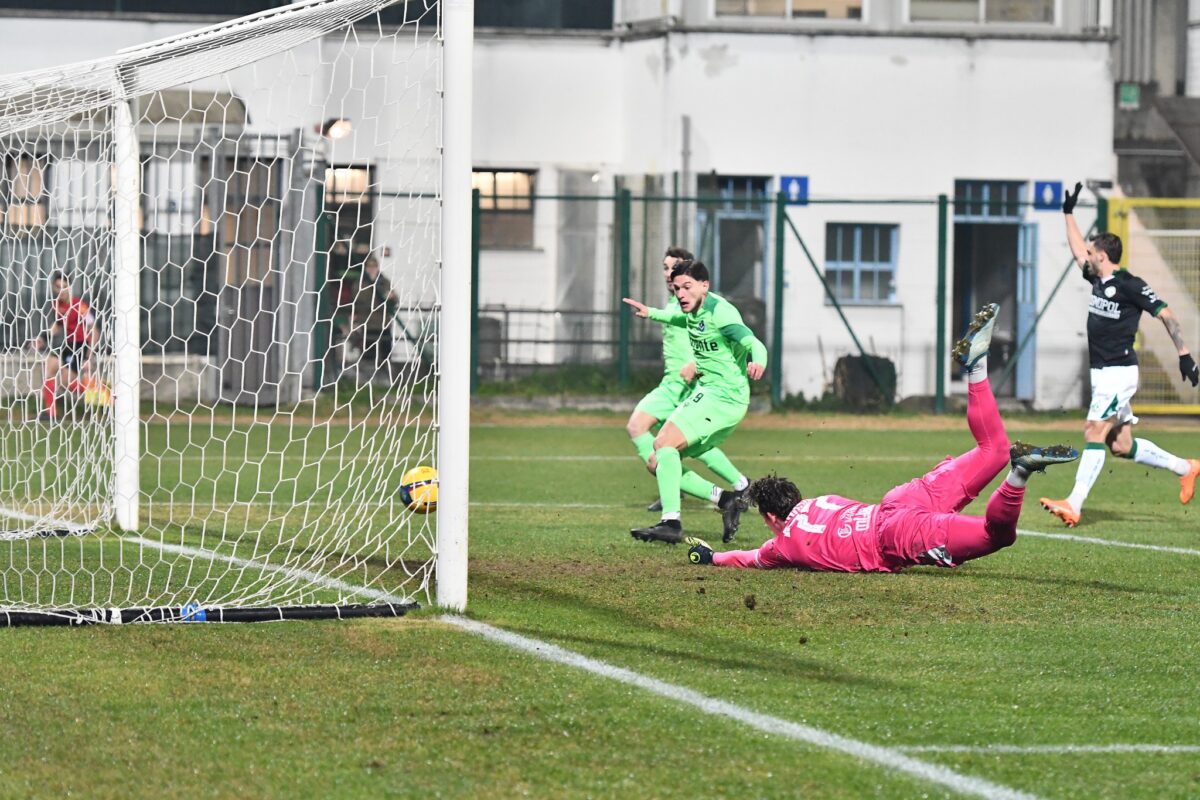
(1047, 195)
(795, 187)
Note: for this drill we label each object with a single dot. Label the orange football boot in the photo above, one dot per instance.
(1061, 509)
(1187, 483)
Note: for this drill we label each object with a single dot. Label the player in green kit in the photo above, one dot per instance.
(679, 375)
(727, 356)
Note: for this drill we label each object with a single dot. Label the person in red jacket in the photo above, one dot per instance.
(70, 342)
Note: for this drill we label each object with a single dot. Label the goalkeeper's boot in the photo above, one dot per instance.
(667, 530)
(1187, 483)
(1035, 459)
(974, 345)
(732, 504)
(1061, 509)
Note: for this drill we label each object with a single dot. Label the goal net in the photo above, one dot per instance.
(219, 344)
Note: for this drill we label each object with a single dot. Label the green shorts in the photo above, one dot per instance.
(707, 418)
(663, 399)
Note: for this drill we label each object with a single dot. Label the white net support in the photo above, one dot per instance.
(218, 317)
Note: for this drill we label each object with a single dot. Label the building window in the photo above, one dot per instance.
(791, 9)
(988, 201)
(544, 14)
(350, 195)
(1019, 11)
(505, 207)
(860, 261)
(23, 195)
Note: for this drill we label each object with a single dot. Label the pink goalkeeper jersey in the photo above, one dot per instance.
(828, 533)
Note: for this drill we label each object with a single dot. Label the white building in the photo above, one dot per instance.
(908, 101)
(866, 100)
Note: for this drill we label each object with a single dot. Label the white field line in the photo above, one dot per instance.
(1048, 749)
(73, 527)
(210, 555)
(77, 528)
(889, 758)
(291, 572)
(631, 458)
(933, 459)
(893, 758)
(1069, 537)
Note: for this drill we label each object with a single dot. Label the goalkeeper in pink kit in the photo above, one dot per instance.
(915, 523)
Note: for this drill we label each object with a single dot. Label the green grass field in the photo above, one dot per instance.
(1039, 652)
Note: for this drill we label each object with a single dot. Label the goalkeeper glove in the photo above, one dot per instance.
(699, 552)
(1188, 369)
(1071, 198)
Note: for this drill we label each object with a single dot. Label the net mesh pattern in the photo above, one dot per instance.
(288, 237)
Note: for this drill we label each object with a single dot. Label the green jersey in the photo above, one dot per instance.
(721, 345)
(677, 349)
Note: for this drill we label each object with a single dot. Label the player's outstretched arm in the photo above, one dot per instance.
(678, 319)
(640, 309)
(699, 552)
(1187, 364)
(1074, 236)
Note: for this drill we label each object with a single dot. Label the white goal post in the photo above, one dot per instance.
(235, 312)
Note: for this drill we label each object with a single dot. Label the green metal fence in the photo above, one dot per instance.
(552, 299)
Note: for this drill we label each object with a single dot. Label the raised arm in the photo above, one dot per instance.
(1074, 236)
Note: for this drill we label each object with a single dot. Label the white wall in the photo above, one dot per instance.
(1193, 49)
(883, 117)
(862, 116)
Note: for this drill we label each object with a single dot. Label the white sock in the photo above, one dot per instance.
(741, 483)
(671, 515)
(1090, 464)
(715, 494)
(978, 372)
(1148, 453)
(1017, 477)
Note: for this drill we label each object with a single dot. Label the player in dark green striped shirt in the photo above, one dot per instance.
(727, 355)
(679, 375)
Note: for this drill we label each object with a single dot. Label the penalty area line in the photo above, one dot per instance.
(1048, 749)
(314, 578)
(890, 758)
(1070, 537)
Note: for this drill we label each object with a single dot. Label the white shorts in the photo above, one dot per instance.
(1113, 389)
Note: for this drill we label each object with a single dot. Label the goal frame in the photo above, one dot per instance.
(454, 356)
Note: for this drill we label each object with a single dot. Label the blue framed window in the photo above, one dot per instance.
(860, 261)
(988, 201)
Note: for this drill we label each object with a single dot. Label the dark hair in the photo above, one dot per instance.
(693, 269)
(59, 275)
(774, 495)
(1110, 243)
(680, 253)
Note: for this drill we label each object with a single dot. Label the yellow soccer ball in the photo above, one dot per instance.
(419, 489)
(95, 393)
